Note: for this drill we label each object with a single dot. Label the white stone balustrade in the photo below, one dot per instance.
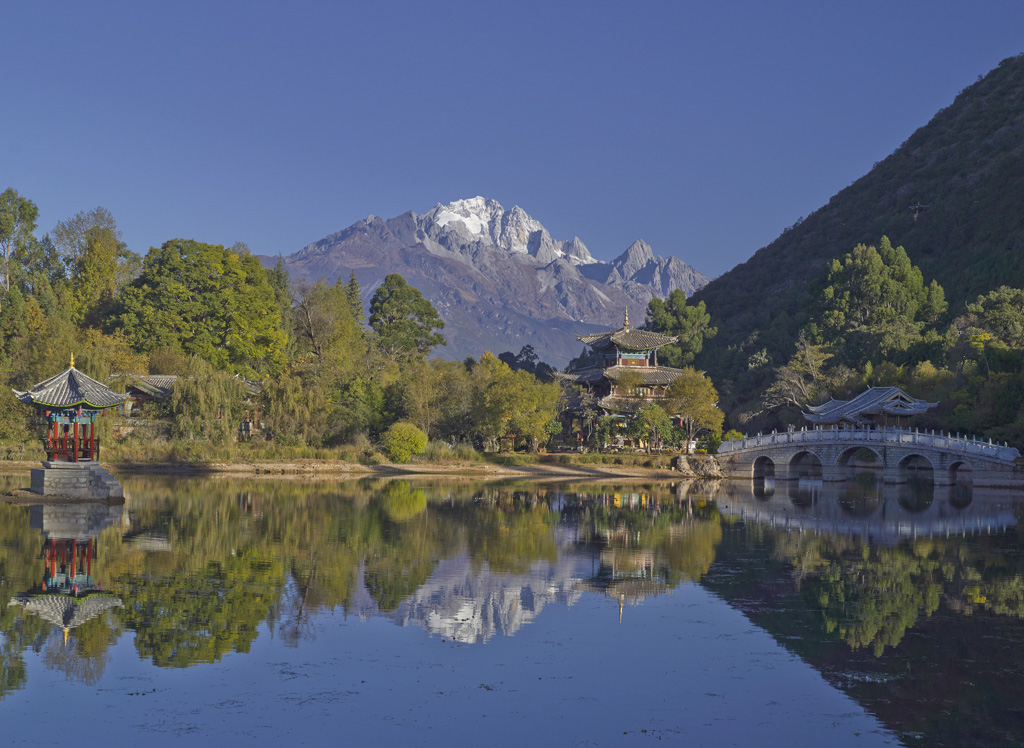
(832, 435)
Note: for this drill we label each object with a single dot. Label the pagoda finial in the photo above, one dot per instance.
(627, 318)
(72, 364)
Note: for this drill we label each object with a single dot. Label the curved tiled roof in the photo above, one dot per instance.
(619, 404)
(70, 389)
(65, 611)
(652, 375)
(628, 338)
(581, 376)
(874, 401)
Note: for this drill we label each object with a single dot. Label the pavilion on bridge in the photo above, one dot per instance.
(874, 408)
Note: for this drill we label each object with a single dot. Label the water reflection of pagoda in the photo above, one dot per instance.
(67, 593)
(628, 575)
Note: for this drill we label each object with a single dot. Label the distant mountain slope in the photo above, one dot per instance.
(965, 167)
(497, 277)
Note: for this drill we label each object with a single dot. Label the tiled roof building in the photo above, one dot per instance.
(621, 353)
(876, 406)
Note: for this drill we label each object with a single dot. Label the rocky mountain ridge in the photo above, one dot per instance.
(497, 277)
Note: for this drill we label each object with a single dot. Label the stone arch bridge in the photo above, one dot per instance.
(835, 454)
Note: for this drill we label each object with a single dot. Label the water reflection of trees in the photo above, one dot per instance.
(666, 542)
(870, 596)
(206, 563)
(19, 553)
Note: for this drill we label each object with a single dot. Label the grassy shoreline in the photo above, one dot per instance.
(490, 465)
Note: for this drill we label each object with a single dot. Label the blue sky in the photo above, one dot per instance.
(704, 128)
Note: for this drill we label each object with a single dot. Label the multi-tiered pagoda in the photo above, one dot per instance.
(622, 352)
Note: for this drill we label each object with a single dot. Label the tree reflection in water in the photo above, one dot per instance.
(202, 567)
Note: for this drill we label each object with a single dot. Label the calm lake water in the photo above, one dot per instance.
(284, 612)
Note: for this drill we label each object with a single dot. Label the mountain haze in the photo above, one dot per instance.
(964, 172)
(497, 277)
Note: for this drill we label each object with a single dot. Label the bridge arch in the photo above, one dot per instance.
(961, 472)
(961, 479)
(916, 467)
(804, 464)
(858, 459)
(763, 473)
(763, 467)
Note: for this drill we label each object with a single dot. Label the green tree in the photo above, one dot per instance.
(207, 404)
(691, 325)
(331, 339)
(804, 380)
(96, 258)
(874, 303)
(403, 440)
(693, 397)
(652, 424)
(354, 294)
(404, 322)
(17, 222)
(207, 301)
(510, 402)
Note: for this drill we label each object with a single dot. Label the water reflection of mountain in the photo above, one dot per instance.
(467, 603)
(890, 594)
(628, 547)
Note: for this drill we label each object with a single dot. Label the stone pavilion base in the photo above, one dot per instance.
(77, 480)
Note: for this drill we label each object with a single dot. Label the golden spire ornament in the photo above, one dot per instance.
(72, 364)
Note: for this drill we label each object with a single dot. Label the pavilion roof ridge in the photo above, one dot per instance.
(70, 388)
(873, 401)
(631, 338)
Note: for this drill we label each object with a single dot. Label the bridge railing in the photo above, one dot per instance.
(832, 434)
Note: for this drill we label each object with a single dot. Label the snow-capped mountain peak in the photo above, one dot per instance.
(514, 231)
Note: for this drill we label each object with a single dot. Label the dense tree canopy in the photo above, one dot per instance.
(874, 304)
(694, 399)
(17, 222)
(690, 324)
(207, 301)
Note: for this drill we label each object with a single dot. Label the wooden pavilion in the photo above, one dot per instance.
(70, 403)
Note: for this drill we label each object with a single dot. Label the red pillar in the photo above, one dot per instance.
(88, 561)
(53, 561)
(75, 445)
(74, 556)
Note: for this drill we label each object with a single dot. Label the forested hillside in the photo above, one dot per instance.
(950, 196)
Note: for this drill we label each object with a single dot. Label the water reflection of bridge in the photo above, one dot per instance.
(871, 510)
